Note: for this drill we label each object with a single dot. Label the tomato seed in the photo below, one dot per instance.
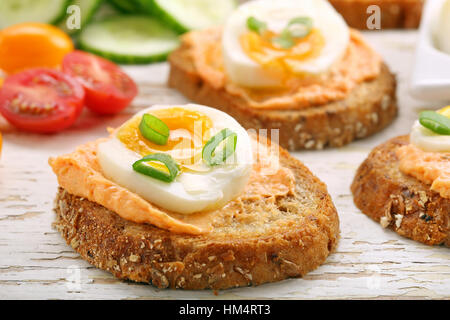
(18, 105)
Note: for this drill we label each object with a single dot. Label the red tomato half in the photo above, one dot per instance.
(108, 88)
(41, 100)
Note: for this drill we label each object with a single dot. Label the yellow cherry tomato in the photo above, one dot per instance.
(28, 45)
(445, 111)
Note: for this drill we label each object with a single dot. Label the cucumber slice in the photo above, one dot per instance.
(129, 39)
(45, 11)
(126, 6)
(87, 10)
(106, 10)
(185, 15)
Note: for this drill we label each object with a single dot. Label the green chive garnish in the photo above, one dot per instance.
(300, 27)
(209, 154)
(284, 40)
(296, 28)
(436, 122)
(153, 129)
(141, 166)
(256, 25)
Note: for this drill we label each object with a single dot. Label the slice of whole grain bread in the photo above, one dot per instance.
(263, 240)
(399, 201)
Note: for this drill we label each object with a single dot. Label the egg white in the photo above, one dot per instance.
(244, 71)
(427, 140)
(191, 191)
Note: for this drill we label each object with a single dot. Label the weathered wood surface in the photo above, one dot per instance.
(370, 263)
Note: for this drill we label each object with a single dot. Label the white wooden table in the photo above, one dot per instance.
(370, 263)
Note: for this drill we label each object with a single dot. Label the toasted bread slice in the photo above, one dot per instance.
(264, 240)
(394, 14)
(398, 201)
(369, 108)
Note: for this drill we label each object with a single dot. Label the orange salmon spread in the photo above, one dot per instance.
(80, 174)
(431, 168)
(359, 63)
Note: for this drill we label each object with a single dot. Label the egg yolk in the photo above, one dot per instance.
(445, 111)
(189, 131)
(262, 50)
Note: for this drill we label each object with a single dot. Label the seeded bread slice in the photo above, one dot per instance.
(394, 14)
(264, 240)
(370, 107)
(398, 201)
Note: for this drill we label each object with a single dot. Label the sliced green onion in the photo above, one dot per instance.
(284, 40)
(436, 122)
(141, 167)
(296, 28)
(256, 25)
(209, 154)
(300, 27)
(153, 129)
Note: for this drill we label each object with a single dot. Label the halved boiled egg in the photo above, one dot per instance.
(266, 57)
(198, 185)
(427, 140)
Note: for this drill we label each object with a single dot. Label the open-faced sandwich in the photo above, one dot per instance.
(184, 197)
(289, 65)
(405, 183)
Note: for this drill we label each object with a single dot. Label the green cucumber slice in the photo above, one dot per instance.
(87, 10)
(129, 39)
(126, 6)
(105, 10)
(45, 11)
(185, 15)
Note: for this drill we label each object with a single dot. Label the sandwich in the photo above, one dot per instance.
(289, 65)
(404, 183)
(185, 197)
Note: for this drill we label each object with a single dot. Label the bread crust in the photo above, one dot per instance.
(398, 201)
(395, 14)
(218, 260)
(369, 108)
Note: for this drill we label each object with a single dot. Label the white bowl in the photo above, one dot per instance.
(431, 73)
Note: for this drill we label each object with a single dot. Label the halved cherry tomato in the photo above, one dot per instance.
(30, 45)
(108, 88)
(41, 100)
